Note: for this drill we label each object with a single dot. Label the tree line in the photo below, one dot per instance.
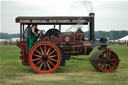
(9, 36)
(112, 35)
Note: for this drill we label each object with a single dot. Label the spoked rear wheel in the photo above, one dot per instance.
(103, 63)
(44, 57)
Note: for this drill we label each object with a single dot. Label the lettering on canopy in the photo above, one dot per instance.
(54, 21)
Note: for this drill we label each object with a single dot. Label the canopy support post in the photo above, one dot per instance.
(20, 32)
(59, 27)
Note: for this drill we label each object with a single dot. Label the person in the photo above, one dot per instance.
(33, 36)
(27, 32)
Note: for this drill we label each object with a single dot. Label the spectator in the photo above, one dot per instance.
(33, 36)
(27, 32)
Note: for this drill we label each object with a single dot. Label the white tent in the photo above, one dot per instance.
(124, 38)
(15, 39)
(2, 40)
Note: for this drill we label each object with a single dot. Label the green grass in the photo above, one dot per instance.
(76, 72)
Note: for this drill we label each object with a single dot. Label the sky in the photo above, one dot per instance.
(109, 14)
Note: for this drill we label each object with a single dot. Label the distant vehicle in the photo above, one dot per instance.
(54, 47)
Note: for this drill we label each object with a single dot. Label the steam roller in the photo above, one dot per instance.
(104, 60)
(52, 48)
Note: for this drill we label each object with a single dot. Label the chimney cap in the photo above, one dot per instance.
(91, 14)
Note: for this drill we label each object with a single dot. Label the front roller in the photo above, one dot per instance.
(105, 60)
(44, 57)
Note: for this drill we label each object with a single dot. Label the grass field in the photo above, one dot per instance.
(76, 72)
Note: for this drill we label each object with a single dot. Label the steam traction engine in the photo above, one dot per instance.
(54, 47)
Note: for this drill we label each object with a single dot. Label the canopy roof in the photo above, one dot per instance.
(53, 20)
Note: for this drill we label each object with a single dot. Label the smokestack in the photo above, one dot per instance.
(91, 25)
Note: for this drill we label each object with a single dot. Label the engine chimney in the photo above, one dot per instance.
(91, 25)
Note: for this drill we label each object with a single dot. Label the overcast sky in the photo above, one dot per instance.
(110, 15)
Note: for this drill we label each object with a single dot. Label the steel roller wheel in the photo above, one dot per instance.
(44, 57)
(104, 63)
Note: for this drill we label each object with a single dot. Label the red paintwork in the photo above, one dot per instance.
(72, 39)
(54, 39)
(74, 50)
(74, 45)
(46, 39)
(24, 52)
(79, 35)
